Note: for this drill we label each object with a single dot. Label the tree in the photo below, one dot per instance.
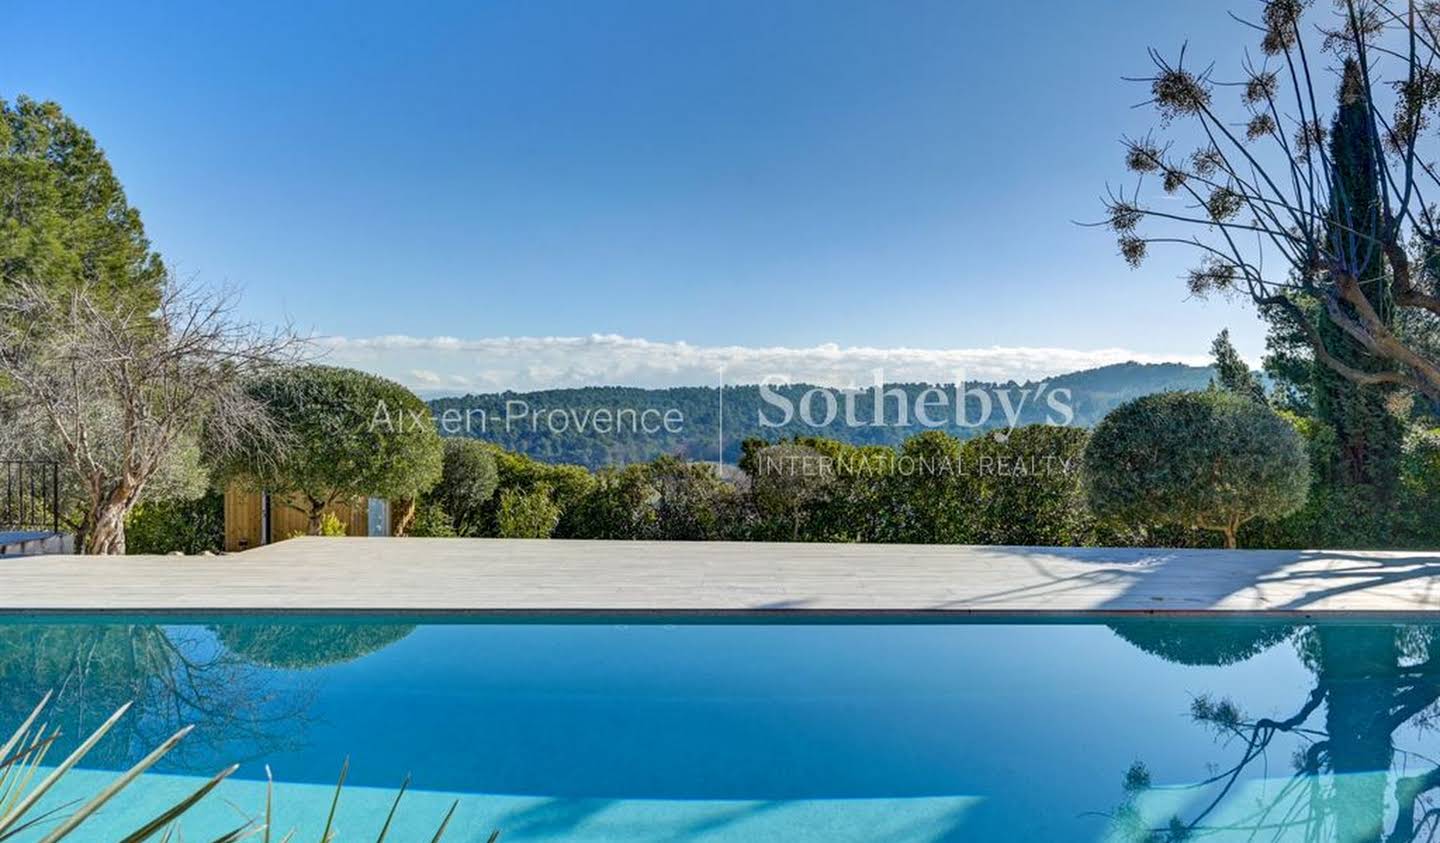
(468, 480)
(64, 220)
(926, 493)
(1232, 372)
(786, 479)
(527, 515)
(617, 506)
(1353, 778)
(124, 396)
(1273, 195)
(689, 500)
(565, 486)
(351, 435)
(1370, 436)
(1210, 460)
(1026, 489)
(307, 646)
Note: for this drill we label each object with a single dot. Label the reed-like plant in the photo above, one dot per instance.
(21, 763)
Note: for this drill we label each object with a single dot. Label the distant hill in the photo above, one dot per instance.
(609, 425)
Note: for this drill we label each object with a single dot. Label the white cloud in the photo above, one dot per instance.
(440, 365)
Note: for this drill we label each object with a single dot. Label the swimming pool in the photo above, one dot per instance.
(727, 731)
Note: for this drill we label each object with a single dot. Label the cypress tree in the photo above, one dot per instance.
(1369, 436)
(1232, 373)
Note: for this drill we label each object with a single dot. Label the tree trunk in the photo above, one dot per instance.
(315, 514)
(407, 517)
(106, 534)
(1230, 540)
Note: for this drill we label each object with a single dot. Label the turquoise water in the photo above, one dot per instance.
(723, 732)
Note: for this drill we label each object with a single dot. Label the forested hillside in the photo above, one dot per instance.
(591, 426)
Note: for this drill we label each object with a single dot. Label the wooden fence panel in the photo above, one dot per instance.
(243, 523)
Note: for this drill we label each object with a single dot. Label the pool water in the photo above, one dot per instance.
(723, 731)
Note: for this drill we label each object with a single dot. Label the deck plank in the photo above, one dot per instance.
(558, 577)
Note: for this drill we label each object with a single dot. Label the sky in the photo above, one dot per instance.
(488, 195)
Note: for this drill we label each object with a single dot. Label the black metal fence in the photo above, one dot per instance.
(30, 496)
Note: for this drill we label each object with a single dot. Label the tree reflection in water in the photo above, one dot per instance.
(1356, 775)
(222, 679)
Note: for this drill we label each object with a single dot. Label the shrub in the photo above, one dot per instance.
(330, 526)
(433, 522)
(1210, 460)
(1420, 489)
(177, 525)
(566, 486)
(527, 515)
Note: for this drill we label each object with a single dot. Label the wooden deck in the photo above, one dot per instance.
(583, 577)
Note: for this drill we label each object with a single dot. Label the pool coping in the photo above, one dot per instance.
(537, 579)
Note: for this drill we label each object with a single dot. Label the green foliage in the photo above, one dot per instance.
(1232, 372)
(926, 493)
(1026, 489)
(532, 514)
(191, 526)
(432, 522)
(331, 526)
(853, 507)
(1419, 510)
(467, 483)
(689, 501)
(352, 435)
(1209, 460)
(786, 480)
(1361, 470)
(297, 646)
(1183, 642)
(619, 505)
(65, 219)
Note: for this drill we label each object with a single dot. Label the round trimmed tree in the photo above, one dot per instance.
(1211, 460)
(349, 435)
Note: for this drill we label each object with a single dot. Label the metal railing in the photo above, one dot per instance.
(30, 495)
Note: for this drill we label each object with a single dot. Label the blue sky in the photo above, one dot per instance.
(686, 174)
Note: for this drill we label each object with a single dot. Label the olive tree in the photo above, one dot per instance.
(124, 394)
(1211, 460)
(351, 435)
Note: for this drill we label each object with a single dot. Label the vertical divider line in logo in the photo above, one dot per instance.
(720, 426)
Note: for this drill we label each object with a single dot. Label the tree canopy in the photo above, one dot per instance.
(350, 435)
(1211, 460)
(468, 481)
(64, 218)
